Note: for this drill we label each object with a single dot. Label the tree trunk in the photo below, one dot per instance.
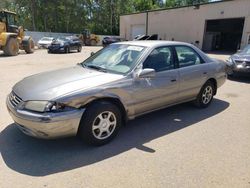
(33, 9)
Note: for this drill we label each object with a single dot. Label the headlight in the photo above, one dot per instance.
(230, 61)
(61, 44)
(43, 106)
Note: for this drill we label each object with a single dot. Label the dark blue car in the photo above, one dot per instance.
(240, 62)
(65, 45)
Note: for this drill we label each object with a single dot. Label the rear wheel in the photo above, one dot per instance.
(205, 96)
(30, 47)
(93, 42)
(79, 49)
(12, 47)
(100, 123)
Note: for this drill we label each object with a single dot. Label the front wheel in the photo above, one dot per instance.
(205, 96)
(100, 123)
(66, 50)
(30, 47)
(12, 47)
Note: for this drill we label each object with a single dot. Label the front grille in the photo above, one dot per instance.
(14, 99)
(239, 62)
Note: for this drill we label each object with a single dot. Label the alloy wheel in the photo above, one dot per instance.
(207, 94)
(104, 125)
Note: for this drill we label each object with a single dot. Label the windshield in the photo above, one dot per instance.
(63, 39)
(246, 50)
(47, 39)
(116, 58)
(10, 19)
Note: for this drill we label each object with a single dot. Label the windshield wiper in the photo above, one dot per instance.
(95, 67)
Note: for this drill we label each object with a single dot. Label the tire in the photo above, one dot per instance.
(12, 47)
(205, 95)
(30, 48)
(95, 128)
(93, 42)
(79, 49)
(66, 50)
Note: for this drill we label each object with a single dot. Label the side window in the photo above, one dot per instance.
(160, 59)
(187, 56)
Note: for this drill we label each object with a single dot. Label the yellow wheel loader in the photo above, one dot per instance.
(12, 37)
(89, 39)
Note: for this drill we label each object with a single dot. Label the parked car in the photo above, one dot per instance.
(239, 63)
(118, 83)
(109, 40)
(45, 42)
(65, 45)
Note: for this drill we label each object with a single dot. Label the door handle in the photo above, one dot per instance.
(204, 72)
(173, 80)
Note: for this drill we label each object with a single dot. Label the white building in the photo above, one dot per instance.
(214, 26)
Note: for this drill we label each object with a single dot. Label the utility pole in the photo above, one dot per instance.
(146, 22)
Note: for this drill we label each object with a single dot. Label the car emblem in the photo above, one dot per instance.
(244, 64)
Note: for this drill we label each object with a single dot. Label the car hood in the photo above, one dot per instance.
(44, 42)
(241, 56)
(52, 85)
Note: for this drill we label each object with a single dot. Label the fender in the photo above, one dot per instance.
(84, 99)
(4, 37)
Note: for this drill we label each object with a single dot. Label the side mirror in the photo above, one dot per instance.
(92, 53)
(146, 73)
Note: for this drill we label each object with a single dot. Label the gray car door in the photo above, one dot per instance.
(153, 93)
(193, 72)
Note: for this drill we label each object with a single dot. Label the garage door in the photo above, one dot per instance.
(223, 34)
(137, 30)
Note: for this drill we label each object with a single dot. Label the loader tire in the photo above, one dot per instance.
(30, 47)
(12, 47)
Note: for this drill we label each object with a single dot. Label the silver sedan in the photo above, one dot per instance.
(118, 83)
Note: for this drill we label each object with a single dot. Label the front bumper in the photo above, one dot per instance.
(56, 49)
(46, 125)
(241, 66)
(241, 69)
(43, 46)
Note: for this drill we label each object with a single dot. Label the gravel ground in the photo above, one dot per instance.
(180, 146)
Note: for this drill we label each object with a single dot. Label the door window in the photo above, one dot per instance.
(160, 59)
(187, 56)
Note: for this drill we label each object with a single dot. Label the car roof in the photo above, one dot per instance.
(47, 37)
(159, 43)
(153, 43)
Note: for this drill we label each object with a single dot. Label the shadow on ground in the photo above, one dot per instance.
(21, 52)
(36, 157)
(240, 78)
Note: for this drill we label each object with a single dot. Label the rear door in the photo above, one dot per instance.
(193, 72)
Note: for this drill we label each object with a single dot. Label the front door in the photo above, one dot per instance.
(161, 90)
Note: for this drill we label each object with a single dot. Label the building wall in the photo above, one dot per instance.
(128, 21)
(187, 24)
